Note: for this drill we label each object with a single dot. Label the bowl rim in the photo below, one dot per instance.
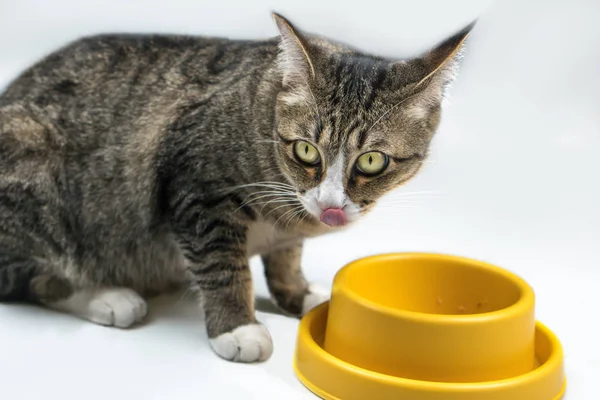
(553, 362)
(524, 304)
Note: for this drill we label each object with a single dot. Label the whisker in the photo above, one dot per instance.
(188, 292)
(276, 196)
(269, 193)
(266, 184)
(274, 190)
(278, 201)
(294, 215)
(277, 208)
(266, 193)
(304, 216)
(287, 212)
(269, 184)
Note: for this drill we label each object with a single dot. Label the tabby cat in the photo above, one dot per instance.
(132, 164)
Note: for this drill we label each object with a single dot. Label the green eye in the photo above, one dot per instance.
(372, 163)
(307, 153)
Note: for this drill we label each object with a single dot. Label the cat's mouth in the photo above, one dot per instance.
(333, 217)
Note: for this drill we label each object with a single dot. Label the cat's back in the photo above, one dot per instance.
(113, 66)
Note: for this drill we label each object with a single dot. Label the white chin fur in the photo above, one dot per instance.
(330, 194)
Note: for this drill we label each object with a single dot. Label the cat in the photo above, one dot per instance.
(132, 164)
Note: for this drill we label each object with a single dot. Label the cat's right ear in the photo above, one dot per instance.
(293, 61)
(433, 72)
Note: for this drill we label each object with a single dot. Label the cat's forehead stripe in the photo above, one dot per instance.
(356, 81)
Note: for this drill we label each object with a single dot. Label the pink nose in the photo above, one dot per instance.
(333, 217)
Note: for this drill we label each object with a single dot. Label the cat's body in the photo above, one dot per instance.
(146, 162)
(90, 123)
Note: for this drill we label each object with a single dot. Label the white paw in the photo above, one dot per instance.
(316, 295)
(246, 343)
(120, 307)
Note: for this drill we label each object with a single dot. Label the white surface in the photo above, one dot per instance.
(516, 162)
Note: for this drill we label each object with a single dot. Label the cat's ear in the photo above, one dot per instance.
(293, 60)
(434, 71)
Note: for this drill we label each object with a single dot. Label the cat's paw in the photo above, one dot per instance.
(246, 343)
(120, 307)
(316, 295)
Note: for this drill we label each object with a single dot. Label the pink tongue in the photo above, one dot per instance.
(333, 217)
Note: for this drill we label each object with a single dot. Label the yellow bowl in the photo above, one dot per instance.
(428, 327)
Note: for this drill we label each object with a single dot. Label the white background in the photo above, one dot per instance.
(515, 168)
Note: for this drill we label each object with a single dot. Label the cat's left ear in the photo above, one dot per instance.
(433, 72)
(293, 61)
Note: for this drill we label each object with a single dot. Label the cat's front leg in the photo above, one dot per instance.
(218, 269)
(286, 282)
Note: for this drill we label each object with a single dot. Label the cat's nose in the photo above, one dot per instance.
(334, 204)
(333, 217)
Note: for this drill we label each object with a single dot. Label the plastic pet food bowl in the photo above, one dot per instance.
(428, 327)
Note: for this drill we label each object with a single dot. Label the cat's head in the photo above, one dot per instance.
(351, 126)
